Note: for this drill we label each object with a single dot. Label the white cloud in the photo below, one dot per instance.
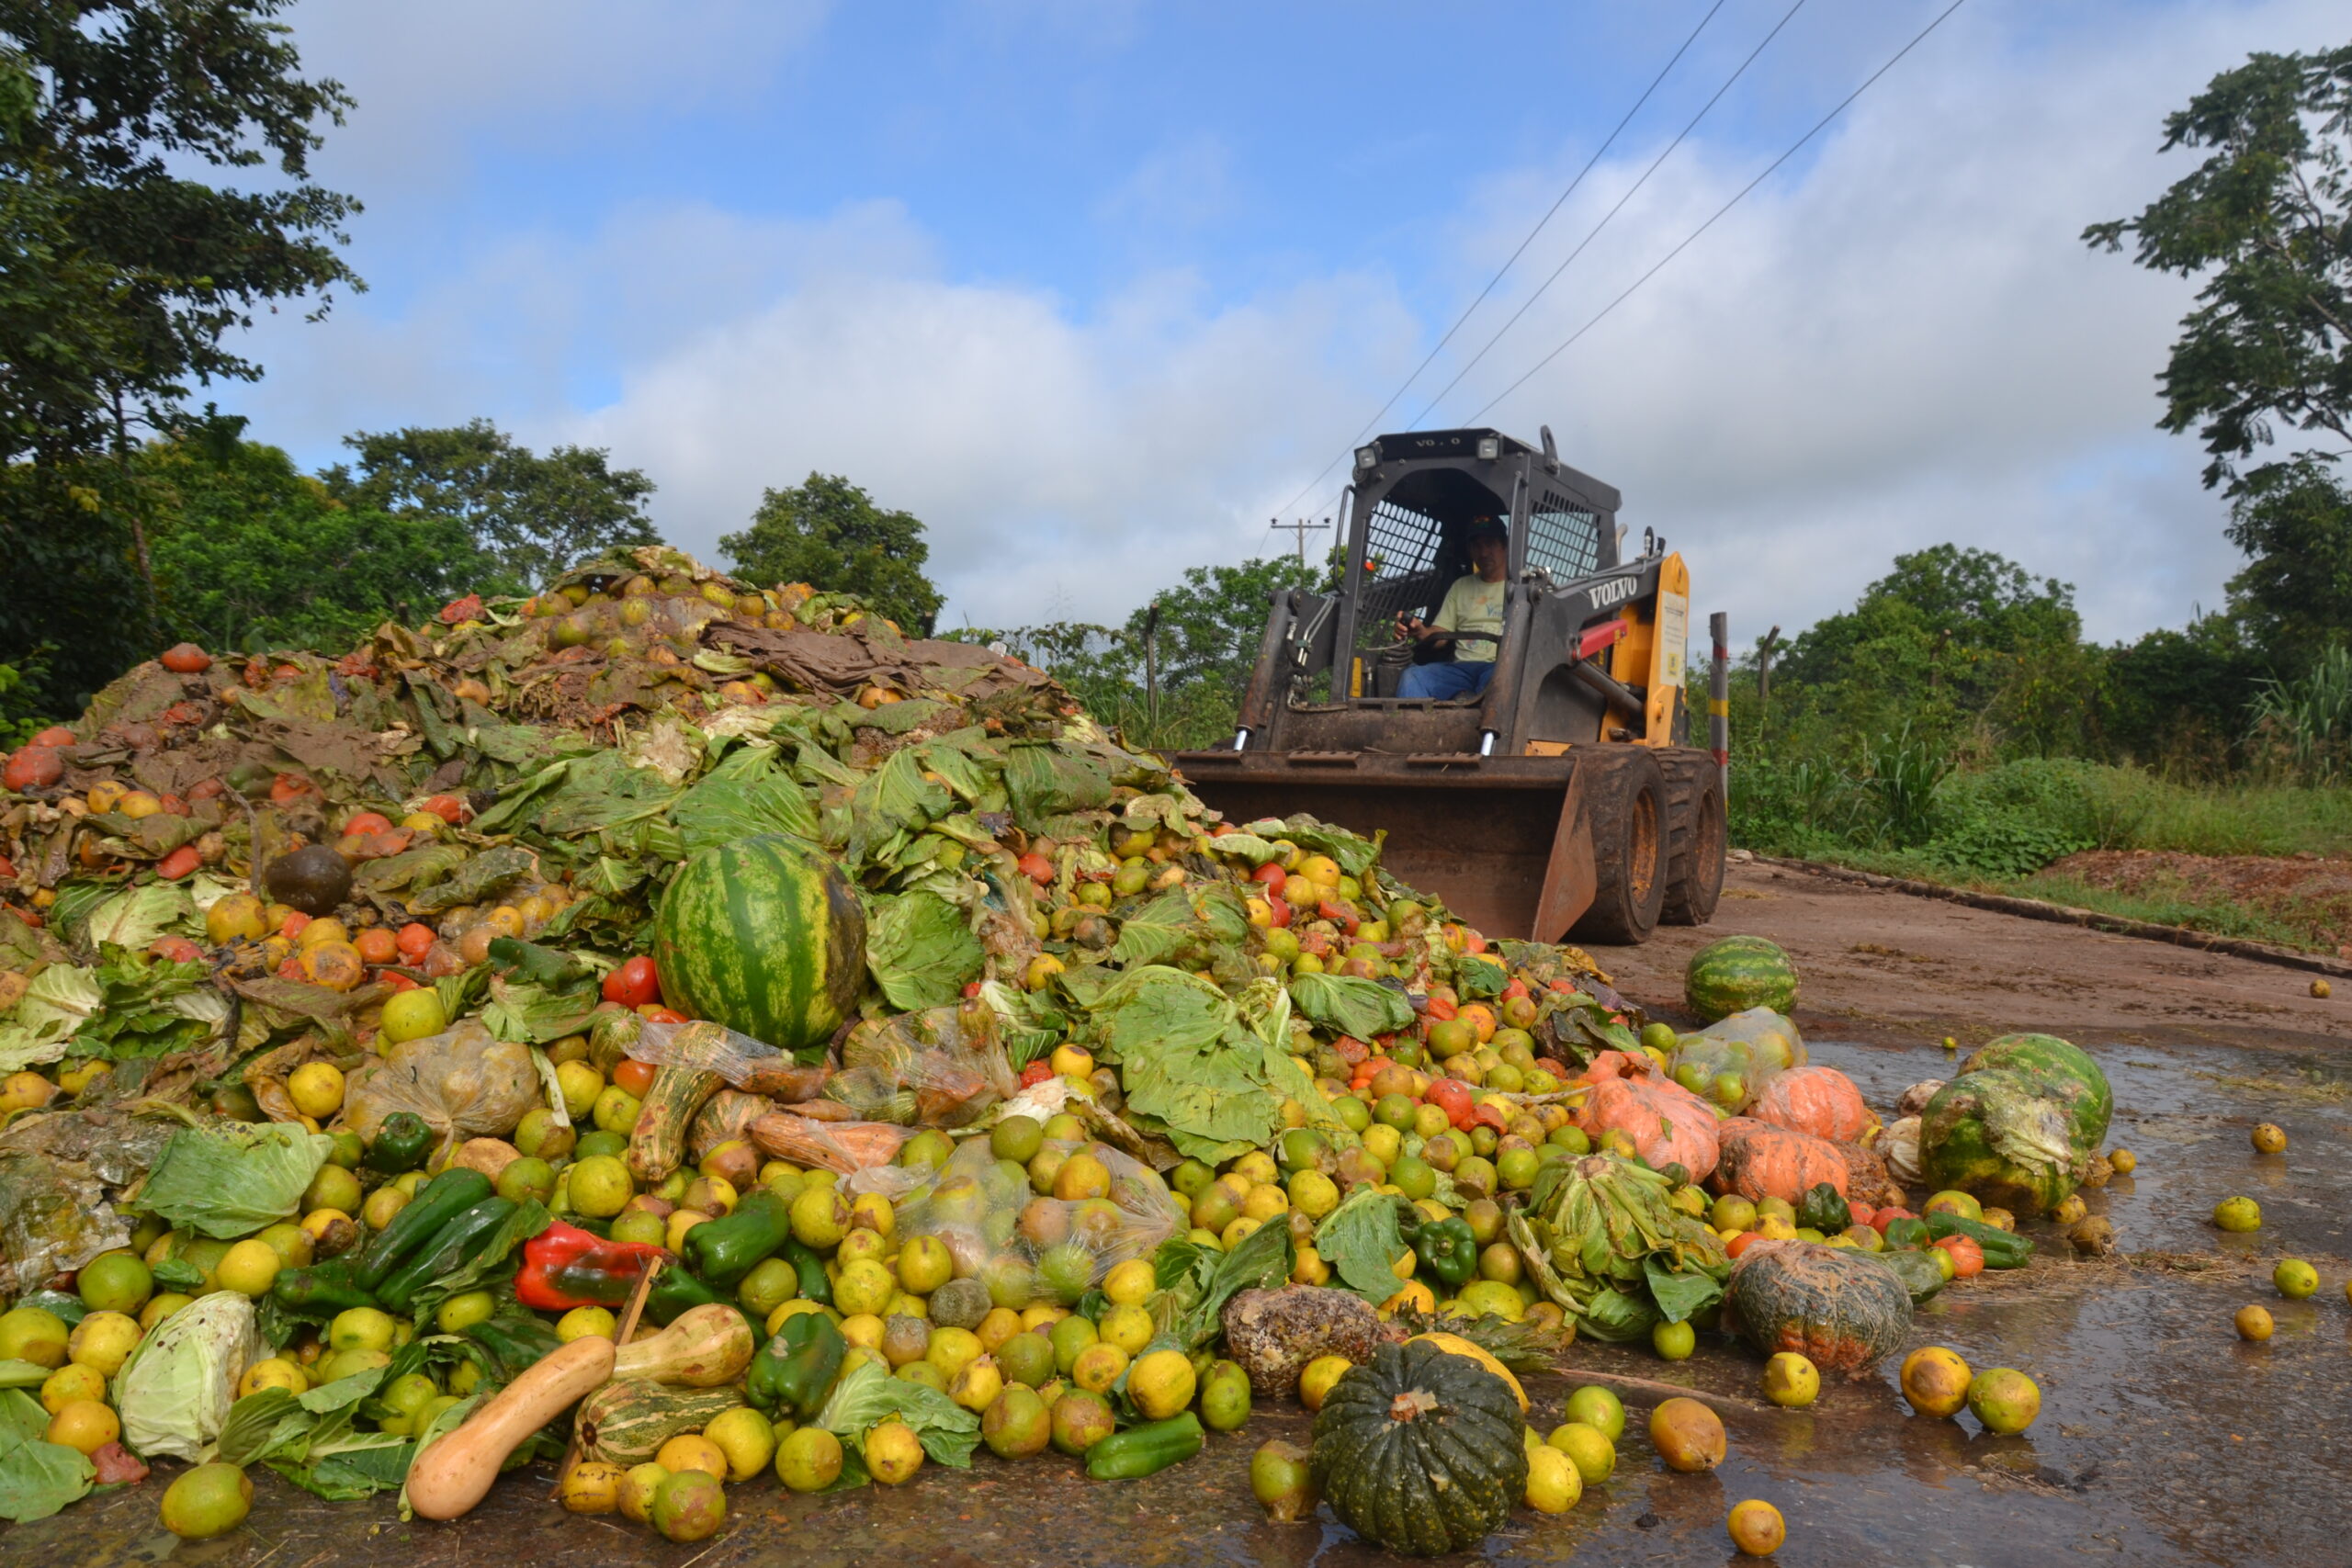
(1898, 341)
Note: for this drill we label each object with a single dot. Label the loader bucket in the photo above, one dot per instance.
(1501, 839)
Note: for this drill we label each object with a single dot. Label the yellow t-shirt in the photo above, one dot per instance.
(1472, 605)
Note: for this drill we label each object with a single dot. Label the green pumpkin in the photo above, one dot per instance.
(1997, 1134)
(1839, 1306)
(1738, 973)
(1420, 1450)
(2062, 1071)
(765, 936)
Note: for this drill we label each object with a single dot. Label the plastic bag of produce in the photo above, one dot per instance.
(940, 1067)
(748, 1064)
(1668, 1124)
(844, 1146)
(465, 1082)
(726, 1119)
(1732, 1061)
(1082, 1208)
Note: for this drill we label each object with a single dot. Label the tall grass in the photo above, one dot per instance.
(2309, 720)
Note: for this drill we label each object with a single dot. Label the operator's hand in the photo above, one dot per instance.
(1410, 626)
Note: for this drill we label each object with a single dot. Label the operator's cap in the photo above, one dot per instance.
(1486, 528)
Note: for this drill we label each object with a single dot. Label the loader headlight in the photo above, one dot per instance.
(1367, 457)
(1491, 447)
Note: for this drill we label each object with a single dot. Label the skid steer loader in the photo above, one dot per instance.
(1563, 801)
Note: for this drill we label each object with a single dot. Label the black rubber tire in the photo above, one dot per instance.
(1626, 810)
(1695, 837)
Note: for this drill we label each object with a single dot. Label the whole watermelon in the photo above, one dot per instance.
(1738, 973)
(1994, 1132)
(765, 936)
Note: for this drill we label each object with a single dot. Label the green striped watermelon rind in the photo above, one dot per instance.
(2063, 1071)
(766, 937)
(1996, 1135)
(1738, 973)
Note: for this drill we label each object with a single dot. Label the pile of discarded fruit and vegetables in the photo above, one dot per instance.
(694, 1031)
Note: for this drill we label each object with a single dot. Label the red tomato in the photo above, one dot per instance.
(290, 970)
(1036, 1073)
(1472, 941)
(1743, 1241)
(1338, 915)
(1440, 1010)
(1492, 1116)
(1272, 875)
(634, 984)
(1036, 868)
(1281, 910)
(178, 864)
(634, 1077)
(289, 786)
(377, 945)
(7, 866)
(1453, 1097)
(1881, 1218)
(447, 807)
(178, 949)
(416, 939)
(1350, 1049)
(971, 989)
(1516, 988)
(169, 805)
(1862, 1213)
(293, 923)
(55, 735)
(652, 1014)
(1967, 1258)
(396, 980)
(367, 822)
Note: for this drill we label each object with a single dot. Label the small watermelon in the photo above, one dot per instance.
(765, 936)
(1736, 974)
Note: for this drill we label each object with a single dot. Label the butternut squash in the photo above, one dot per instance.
(706, 1347)
(454, 1474)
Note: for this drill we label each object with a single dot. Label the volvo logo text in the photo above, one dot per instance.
(1612, 593)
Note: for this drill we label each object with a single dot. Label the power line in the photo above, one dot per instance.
(1463, 318)
(1794, 149)
(1528, 302)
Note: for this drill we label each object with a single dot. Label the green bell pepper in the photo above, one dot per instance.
(721, 1252)
(795, 1369)
(1908, 1233)
(816, 1285)
(674, 1291)
(1148, 1449)
(321, 1290)
(1822, 1209)
(403, 1140)
(1447, 1247)
(453, 1243)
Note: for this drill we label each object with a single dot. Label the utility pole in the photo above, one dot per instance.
(1152, 667)
(1764, 650)
(1301, 528)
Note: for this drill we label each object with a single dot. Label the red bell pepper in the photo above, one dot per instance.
(564, 1267)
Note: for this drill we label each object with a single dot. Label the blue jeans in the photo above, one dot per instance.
(1442, 681)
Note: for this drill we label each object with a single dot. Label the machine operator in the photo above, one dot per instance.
(1473, 603)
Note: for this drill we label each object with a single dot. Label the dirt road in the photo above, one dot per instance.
(1891, 968)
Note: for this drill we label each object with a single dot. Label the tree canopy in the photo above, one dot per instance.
(2266, 357)
(531, 516)
(828, 533)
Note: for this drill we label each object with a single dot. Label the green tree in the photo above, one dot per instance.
(252, 553)
(828, 533)
(533, 517)
(2263, 220)
(122, 274)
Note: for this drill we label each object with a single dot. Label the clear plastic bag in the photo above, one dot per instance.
(727, 1117)
(748, 1064)
(465, 1082)
(1026, 1245)
(845, 1146)
(940, 1068)
(1730, 1062)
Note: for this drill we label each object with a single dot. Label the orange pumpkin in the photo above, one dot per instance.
(185, 658)
(1668, 1123)
(1819, 1100)
(1758, 1160)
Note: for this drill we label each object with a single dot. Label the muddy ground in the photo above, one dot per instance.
(2163, 1440)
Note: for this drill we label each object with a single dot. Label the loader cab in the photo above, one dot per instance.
(1415, 496)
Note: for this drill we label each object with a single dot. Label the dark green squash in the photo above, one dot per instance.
(1917, 1271)
(1841, 1308)
(2059, 1071)
(1420, 1450)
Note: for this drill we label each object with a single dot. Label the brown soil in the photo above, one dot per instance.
(2315, 894)
(1878, 964)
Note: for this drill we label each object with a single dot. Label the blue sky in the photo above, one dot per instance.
(1095, 288)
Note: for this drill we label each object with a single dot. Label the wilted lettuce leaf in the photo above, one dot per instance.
(745, 795)
(137, 915)
(57, 1002)
(231, 1179)
(37, 1477)
(920, 950)
(867, 1396)
(1362, 1240)
(1350, 1004)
